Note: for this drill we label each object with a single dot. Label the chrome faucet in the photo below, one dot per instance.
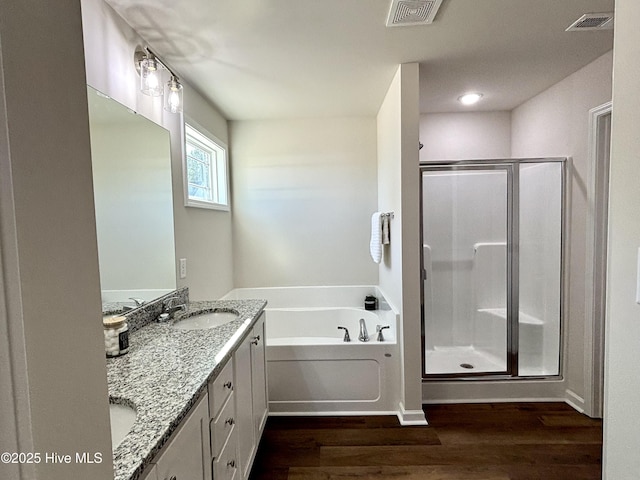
(379, 328)
(364, 336)
(168, 308)
(346, 338)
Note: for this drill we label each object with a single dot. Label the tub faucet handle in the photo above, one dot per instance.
(364, 335)
(346, 338)
(379, 328)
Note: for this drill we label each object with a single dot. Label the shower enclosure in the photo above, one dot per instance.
(492, 267)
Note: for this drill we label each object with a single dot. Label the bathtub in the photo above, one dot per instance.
(319, 326)
(310, 369)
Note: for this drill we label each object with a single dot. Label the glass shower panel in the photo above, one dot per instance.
(540, 268)
(465, 225)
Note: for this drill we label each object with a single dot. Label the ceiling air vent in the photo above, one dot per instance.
(592, 21)
(412, 12)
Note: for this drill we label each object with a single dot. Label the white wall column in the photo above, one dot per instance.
(47, 210)
(622, 382)
(399, 192)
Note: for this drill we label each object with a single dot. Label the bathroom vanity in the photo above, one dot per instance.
(199, 394)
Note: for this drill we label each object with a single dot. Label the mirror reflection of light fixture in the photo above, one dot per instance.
(150, 67)
(173, 95)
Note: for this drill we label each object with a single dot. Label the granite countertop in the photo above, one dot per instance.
(164, 374)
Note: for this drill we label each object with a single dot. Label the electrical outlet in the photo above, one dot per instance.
(183, 268)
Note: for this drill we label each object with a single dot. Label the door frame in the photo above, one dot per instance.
(596, 256)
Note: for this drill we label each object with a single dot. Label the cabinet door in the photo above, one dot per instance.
(244, 409)
(259, 378)
(186, 456)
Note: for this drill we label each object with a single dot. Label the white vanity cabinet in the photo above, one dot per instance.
(219, 437)
(186, 455)
(222, 425)
(250, 395)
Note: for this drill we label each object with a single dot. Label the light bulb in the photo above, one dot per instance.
(152, 80)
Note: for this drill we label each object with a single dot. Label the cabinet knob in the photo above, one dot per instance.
(230, 421)
(173, 477)
(231, 463)
(228, 385)
(255, 340)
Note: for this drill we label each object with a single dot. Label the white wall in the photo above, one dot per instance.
(48, 244)
(465, 136)
(622, 388)
(303, 194)
(389, 134)
(202, 236)
(399, 192)
(555, 123)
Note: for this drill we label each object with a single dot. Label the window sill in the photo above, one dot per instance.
(207, 205)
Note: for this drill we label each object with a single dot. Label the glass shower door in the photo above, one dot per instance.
(466, 269)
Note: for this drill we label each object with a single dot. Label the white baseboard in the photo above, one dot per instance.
(411, 417)
(405, 417)
(574, 400)
(332, 413)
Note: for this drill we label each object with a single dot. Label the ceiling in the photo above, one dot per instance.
(263, 59)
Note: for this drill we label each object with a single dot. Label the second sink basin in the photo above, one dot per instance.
(122, 419)
(206, 320)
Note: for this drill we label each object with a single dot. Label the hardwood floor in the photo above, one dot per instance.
(510, 441)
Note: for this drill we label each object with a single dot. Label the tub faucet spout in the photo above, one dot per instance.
(364, 336)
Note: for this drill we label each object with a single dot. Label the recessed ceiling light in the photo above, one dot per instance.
(470, 98)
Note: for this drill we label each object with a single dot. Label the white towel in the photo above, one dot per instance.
(386, 229)
(375, 247)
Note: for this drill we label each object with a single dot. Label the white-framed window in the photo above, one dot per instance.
(205, 168)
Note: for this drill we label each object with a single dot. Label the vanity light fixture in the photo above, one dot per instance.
(150, 67)
(470, 98)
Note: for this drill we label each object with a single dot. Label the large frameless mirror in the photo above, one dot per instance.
(131, 162)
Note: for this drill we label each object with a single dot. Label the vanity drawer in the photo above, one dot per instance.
(225, 466)
(220, 389)
(222, 426)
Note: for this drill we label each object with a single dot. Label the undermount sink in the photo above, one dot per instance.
(206, 320)
(122, 419)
